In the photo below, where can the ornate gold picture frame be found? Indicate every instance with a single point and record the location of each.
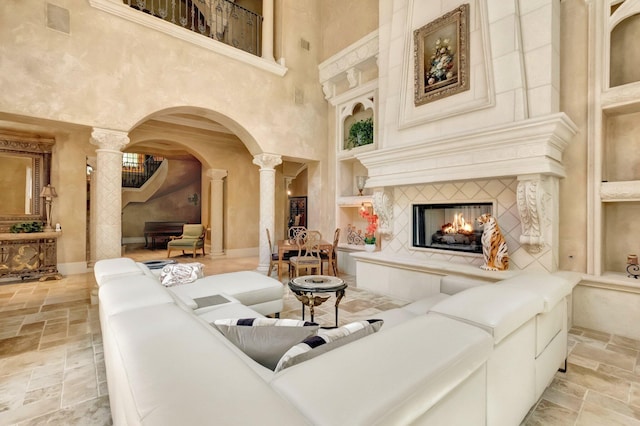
(441, 50)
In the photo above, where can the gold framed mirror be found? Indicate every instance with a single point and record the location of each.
(25, 166)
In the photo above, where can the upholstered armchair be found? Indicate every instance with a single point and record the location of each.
(192, 239)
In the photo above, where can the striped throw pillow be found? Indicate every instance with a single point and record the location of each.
(326, 340)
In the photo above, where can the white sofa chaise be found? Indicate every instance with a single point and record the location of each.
(166, 364)
(527, 317)
(254, 290)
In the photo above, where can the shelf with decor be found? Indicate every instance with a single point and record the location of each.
(613, 141)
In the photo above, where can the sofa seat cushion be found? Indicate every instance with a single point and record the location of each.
(379, 380)
(393, 317)
(422, 306)
(109, 269)
(249, 287)
(131, 292)
(265, 340)
(181, 371)
(327, 340)
(498, 309)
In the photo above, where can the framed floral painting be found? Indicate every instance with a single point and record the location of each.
(441, 50)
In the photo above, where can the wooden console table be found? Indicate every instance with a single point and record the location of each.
(29, 255)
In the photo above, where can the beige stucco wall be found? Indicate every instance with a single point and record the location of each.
(114, 74)
(344, 22)
(573, 101)
(69, 177)
(128, 62)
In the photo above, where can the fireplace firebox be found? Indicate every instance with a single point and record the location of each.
(449, 226)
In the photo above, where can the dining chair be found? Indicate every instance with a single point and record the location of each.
(273, 260)
(332, 257)
(295, 230)
(308, 253)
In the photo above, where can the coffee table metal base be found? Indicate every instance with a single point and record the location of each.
(306, 287)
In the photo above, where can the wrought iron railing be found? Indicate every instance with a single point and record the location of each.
(221, 20)
(134, 175)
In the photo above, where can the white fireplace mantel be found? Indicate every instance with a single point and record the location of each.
(533, 146)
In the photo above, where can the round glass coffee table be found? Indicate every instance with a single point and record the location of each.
(306, 287)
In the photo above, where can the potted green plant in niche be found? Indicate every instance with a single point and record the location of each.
(360, 134)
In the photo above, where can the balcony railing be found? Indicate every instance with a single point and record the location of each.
(221, 20)
(138, 168)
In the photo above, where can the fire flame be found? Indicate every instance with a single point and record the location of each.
(459, 226)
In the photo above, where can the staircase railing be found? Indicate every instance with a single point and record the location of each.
(221, 20)
(134, 176)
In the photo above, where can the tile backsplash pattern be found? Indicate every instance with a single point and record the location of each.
(502, 191)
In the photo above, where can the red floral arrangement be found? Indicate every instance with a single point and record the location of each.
(372, 220)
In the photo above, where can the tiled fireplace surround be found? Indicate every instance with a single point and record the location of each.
(517, 167)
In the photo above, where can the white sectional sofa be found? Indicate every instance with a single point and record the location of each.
(480, 356)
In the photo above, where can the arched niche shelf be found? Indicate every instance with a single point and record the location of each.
(624, 61)
(358, 114)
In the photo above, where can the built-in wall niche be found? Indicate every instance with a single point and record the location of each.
(624, 65)
(622, 147)
(449, 226)
(357, 124)
(349, 171)
(621, 230)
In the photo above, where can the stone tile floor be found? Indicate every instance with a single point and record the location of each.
(52, 365)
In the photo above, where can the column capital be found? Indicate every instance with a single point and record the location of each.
(217, 174)
(267, 161)
(112, 140)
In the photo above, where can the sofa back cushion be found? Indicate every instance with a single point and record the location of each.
(109, 269)
(131, 292)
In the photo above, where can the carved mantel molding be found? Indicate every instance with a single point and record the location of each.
(383, 206)
(349, 65)
(531, 207)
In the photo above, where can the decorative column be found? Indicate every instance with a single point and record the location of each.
(267, 163)
(108, 200)
(267, 29)
(216, 209)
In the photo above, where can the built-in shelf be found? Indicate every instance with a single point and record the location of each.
(354, 201)
(622, 99)
(612, 280)
(350, 154)
(620, 191)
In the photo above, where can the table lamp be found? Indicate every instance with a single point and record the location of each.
(48, 193)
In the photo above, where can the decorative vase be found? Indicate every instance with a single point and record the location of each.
(370, 247)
